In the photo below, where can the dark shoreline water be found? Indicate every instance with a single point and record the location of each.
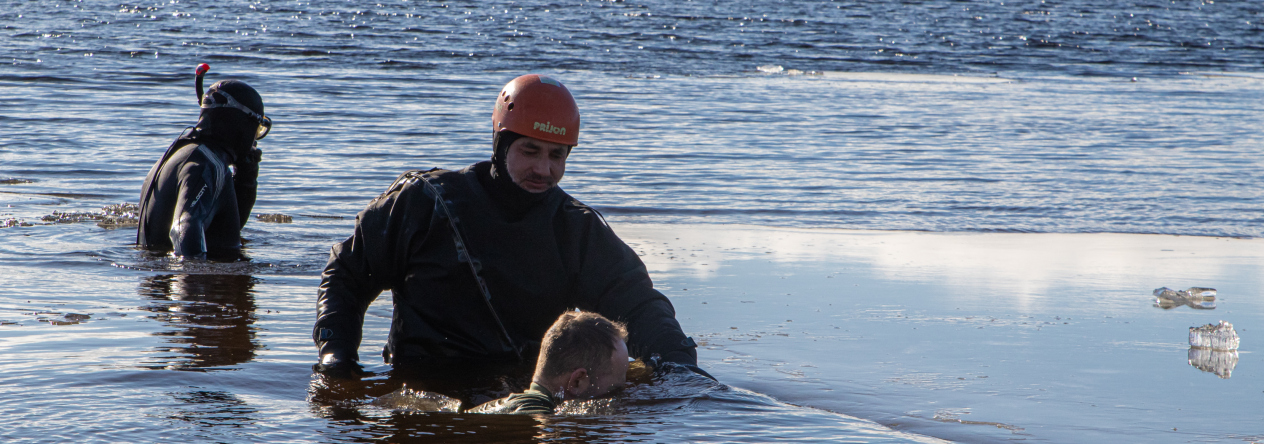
(903, 152)
(1075, 38)
(1027, 116)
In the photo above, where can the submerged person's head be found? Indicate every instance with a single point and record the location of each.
(233, 114)
(583, 355)
(535, 123)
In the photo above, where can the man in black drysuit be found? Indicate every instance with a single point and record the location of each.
(539, 252)
(191, 202)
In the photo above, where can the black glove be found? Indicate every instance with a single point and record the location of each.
(255, 155)
(337, 368)
(248, 168)
(661, 366)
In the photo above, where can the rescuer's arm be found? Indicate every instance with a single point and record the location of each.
(360, 268)
(653, 329)
(246, 183)
(347, 287)
(616, 284)
(195, 208)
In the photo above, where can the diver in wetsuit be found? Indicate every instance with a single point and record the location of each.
(192, 202)
(481, 261)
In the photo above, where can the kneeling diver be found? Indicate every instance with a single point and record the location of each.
(192, 203)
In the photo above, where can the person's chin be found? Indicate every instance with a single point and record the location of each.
(536, 187)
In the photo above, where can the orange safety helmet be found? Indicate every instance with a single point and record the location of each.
(539, 107)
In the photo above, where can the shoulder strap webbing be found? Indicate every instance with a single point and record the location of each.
(463, 253)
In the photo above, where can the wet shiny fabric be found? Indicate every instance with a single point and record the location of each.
(555, 256)
(196, 205)
(536, 400)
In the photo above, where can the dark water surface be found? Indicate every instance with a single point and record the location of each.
(1016, 116)
(941, 116)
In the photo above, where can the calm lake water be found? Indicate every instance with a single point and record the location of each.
(1017, 116)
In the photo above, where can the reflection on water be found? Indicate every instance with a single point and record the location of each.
(1214, 361)
(214, 408)
(212, 318)
(418, 401)
(674, 405)
(465, 382)
(441, 427)
(1213, 348)
(369, 411)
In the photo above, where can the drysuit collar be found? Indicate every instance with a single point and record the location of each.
(494, 177)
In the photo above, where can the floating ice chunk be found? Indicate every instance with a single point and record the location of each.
(1213, 361)
(1201, 292)
(1194, 297)
(13, 222)
(276, 218)
(110, 217)
(909, 78)
(770, 69)
(121, 215)
(1214, 337)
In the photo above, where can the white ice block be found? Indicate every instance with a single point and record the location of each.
(1214, 336)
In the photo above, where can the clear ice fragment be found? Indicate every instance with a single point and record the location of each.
(1194, 297)
(1214, 337)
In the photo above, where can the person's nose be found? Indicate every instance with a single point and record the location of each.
(543, 168)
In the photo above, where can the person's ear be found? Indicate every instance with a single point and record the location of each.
(578, 382)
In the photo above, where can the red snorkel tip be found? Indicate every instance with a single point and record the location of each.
(201, 69)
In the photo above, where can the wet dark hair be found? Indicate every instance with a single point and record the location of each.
(579, 339)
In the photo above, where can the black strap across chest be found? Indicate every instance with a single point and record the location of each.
(463, 253)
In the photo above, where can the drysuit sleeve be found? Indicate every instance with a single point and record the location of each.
(370, 261)
(615, 283)
(196, 205)
(246, 184)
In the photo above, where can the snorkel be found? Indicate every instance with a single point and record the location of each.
(199, 72)
(190, 134)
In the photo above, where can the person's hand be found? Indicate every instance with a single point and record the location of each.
(661, 366)
(248, 166)
(338, 368)
(246, 175)
(255, 155)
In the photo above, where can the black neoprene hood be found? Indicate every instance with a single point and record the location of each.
(242, 92)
